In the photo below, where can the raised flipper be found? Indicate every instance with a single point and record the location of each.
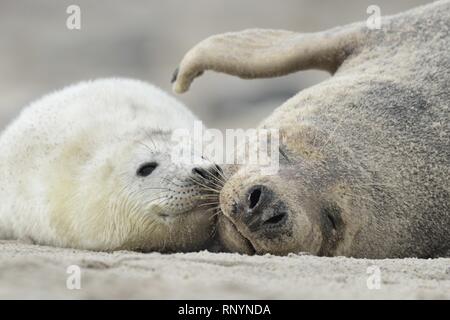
(262, 53)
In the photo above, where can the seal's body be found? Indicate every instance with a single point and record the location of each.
(90, 167)
(365, 170)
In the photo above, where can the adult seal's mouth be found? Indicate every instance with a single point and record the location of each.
(236, 241)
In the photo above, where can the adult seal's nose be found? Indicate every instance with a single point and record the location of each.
(260, 210)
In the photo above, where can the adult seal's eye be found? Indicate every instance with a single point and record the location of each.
(146, 169)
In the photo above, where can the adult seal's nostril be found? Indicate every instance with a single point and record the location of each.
(257, 196)
(260, 212)
(254, 198)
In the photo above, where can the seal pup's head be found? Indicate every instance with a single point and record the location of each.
(98, 158)
(157, 204)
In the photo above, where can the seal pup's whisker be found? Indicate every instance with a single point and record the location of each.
(171, 182)
(146, 146)
(149, 136)
(125, 193)
(203, 186)
(211, 183)
(216, 182)
(209, 203)
(217, 169)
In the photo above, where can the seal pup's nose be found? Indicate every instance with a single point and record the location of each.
(210, 173)
(260, 211)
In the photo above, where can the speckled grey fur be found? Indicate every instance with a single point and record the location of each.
(374, 139)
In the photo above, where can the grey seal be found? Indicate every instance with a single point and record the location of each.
(365, 165)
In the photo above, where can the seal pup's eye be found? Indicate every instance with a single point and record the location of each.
(146, 169)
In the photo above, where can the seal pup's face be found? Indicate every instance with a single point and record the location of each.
(176, 199)
(135, 197)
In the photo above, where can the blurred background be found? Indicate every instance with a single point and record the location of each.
(147, 39)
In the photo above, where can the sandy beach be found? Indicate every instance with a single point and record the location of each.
(38, 272)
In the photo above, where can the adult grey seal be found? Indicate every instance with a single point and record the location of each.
(365, 170)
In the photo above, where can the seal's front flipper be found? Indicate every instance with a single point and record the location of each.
(261, 53)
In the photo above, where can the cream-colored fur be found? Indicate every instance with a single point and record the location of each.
(68, 171)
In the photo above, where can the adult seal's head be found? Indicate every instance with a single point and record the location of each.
(91, 167)
(364, 156)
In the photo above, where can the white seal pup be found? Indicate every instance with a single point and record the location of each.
(365, 170)
(90, 167)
